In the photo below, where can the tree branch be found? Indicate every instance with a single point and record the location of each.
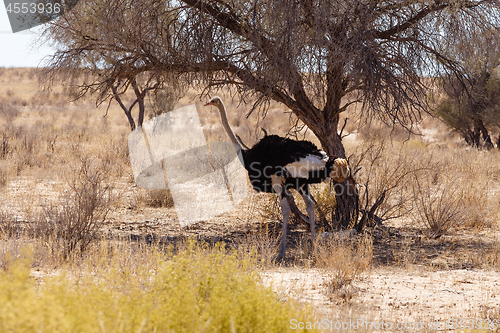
(238, 26)
(411, 21)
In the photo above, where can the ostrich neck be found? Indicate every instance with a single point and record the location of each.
(226, 126)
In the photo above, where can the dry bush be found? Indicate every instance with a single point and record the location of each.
(384, 175)
(344, 261)
(9, 112)
(463, 185)
(114, 153)
(137, 200)
(159, 198)
(79, 216)
(438, 187)
(458, 195)
(476, 173)
(440, 207)
(16, 238)
(60, 138)
(8, 226)
(142, 198)
(26, 146)
(482, 211)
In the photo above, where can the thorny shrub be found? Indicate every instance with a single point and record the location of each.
(439, 207)
(78, 218)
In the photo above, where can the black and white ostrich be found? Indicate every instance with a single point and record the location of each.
(276, 165)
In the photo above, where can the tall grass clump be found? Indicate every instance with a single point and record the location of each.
(196, 290)
(344, 261)
(263, 244)
(159, 198)
(384, 174)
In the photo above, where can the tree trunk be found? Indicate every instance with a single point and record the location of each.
(486, 136)
(128, 113)
(140, 100)
(346, 195)
(473, 135)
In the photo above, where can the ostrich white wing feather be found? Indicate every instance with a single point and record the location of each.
(301, 168)
(325, 156)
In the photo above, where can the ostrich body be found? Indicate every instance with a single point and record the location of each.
(276, 165)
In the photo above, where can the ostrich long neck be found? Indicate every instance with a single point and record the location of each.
(225, 124)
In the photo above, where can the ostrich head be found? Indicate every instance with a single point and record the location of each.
(216, 101)
(340, 170)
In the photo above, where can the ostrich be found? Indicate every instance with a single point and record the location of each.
(276, 165)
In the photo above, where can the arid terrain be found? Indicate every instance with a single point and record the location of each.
(435, 256)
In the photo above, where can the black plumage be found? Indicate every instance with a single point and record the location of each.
(272, 154)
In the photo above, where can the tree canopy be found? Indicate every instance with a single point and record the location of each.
(316, 57)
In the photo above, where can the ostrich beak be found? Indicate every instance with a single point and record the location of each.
(209, 103)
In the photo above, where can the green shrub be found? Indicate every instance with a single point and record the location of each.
(197, 290)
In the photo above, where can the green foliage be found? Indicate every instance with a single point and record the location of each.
(197, 290)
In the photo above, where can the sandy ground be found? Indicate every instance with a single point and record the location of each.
(397, 295)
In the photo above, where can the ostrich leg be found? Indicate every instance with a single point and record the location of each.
(310, 207)
(285, 210)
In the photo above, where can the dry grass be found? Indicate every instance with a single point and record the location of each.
(439, 207)
(438, 187)
(344, 261)
(262, 244)
(74, 221)
(45, 136)
(79, 217)
(159, 198)
(57, 164)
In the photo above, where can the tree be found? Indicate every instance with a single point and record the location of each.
(104, 51)
(473, 112)
(472, 107)
(317, 57)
